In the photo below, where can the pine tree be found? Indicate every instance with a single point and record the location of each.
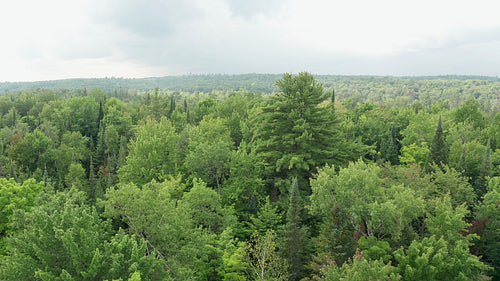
(100, 156)
(439, 149)
(46, 178)
(92, 180)
(172, 107)
(295, 243)
(297, 133)
(481, 181)
(390, 148)
(333, 101)
(462, 165)
(101, 113)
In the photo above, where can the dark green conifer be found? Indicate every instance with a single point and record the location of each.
(462, 166)
(295, 243)
(390, 148)
(172, 107)
(100, 156)
(439, 149)
(481, 182)
(295, 133)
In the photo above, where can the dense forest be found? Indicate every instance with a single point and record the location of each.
(251, 177)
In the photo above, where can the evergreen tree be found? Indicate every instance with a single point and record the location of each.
(391, 147)
(481, 181)
(462, 165)
(92, 181)
(296, 133)
(438, 153)
(100, 156)
(172, 107)
(333, 101)
(295, 243)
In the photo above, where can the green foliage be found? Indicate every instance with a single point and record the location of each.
(373, 209)
(210, 162)
(64, 239)
(153, 153)
(487, 226)
(414, 154)
(296, 133)
(360, 268)
(436, 258)
(446, 221)
(203, 108)
(374, 249)
(295, 246)
(76, 177)
(420, 129)
(73, 148)
(189, 176)
(265, 263)
(30, 151)
(469, 112)
(268, 218)
(172, 228)
(438, 153)
(15, 197)
(203, 206)
(448, 181)
(391, 147)
(336, 239)
(244, 187)
(148, 211)
(468, 158)
(481, 181)
(234, 258)
(445, 254)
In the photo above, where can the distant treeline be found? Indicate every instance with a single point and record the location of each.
(450, 90)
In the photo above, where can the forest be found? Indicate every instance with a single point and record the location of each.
(265, 177)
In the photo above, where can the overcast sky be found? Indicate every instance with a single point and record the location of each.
(56, 39)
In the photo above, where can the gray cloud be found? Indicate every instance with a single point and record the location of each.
(465, 59)
(247, 9)
(181, 36)
(150, 19)
(455, 38)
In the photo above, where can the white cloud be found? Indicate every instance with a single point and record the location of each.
(136, 38)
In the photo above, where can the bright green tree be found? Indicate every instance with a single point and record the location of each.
(13, 197)
(435, 258)
(244, 187)
(360, 268)
(372, 208)
(203, 206)
(469, 112)
(153, 153)
(444, 255)
(451, 182)
(64, 239)
(177, 231)
(210, 162)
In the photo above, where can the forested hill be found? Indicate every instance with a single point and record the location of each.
(186, 83)
(450, 91)
(264, 83)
